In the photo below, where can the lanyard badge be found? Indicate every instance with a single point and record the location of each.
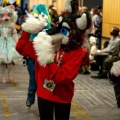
(49, 85)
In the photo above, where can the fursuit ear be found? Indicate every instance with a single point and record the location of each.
(68, 7)
(84, 22)
(60, 19)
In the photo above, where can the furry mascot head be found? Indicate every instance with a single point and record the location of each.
(37, 20)
(8, 14)
(8, 18)
(68, 35)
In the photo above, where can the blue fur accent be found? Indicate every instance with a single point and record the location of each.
(42, 8)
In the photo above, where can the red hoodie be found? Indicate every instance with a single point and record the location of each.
(62, 75)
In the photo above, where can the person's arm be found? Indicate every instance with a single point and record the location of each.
(24, 46)
(67, 72)
(112, 46)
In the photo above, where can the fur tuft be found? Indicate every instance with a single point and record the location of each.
(33, 25)
(44, 48)
(15, 16)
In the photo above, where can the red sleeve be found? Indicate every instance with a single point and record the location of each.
(24, 46)
(69, 70)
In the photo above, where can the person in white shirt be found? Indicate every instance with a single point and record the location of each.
(113, 49)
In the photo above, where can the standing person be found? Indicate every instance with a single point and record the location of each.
(54, 15)
(32, 87)
(99, 8)
(86, 61)
(84, 68)
(32, 84)
(19, 20)
(55, 69)
(8, 39)
(99, 27)
(96, 26)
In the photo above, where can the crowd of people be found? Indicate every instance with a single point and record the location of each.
(67, 40)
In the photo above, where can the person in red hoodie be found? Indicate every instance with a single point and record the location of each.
(58, 54)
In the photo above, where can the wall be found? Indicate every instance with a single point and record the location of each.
(92, 3)
(111, 10)
(59, 4)
(111, 17)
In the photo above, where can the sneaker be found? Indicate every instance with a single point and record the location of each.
(102, 75)
(28, 105)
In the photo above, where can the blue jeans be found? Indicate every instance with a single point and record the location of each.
(32, 84)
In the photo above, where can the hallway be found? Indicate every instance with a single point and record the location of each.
(94, 99)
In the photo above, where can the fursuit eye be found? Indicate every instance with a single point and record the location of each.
(10, 14)
(36, 17)
(64, 31)
(43, 15)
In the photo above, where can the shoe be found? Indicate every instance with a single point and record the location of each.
(80, 71)
(102, 75)
(86, 72)
(28, 105)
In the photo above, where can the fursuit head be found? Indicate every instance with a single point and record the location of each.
(68, 34)
(8, 16)
(37, 20)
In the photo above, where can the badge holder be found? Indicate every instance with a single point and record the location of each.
(49, 85)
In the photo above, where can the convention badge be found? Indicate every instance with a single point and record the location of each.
(49, 85)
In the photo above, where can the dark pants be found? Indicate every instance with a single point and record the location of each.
(32, 84)
(48, 108)
(108, 62)
(116, 83)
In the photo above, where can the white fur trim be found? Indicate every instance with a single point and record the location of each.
(33, 25)
(43, 48)
(68, 7)
(82, 22)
